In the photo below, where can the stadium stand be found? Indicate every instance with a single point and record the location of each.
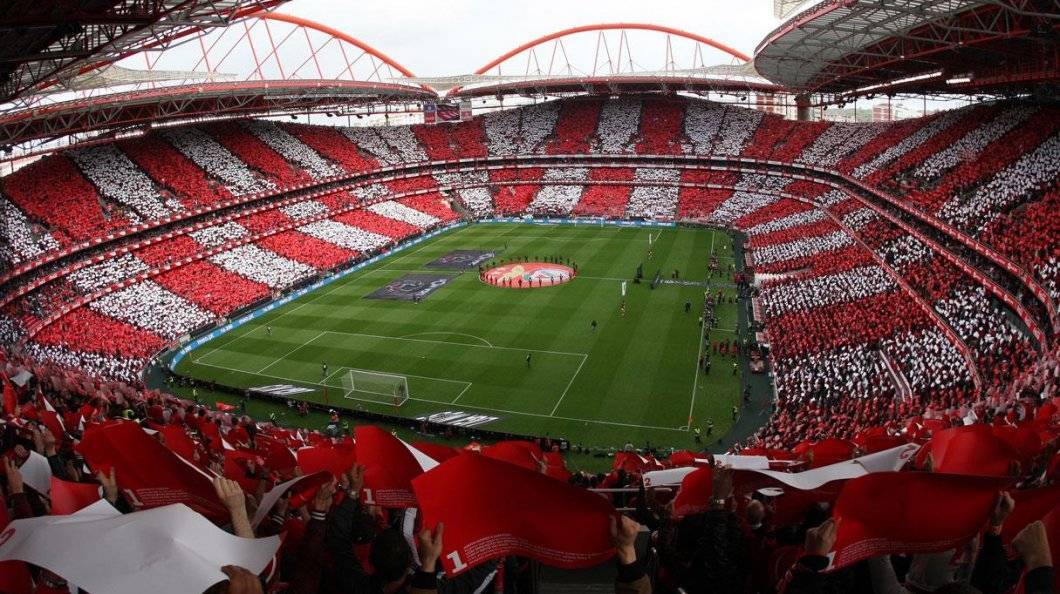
(913, 437)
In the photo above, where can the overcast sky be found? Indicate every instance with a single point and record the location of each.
(458, 36)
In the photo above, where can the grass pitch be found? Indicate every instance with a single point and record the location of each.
(464, 347)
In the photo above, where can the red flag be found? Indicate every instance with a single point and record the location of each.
(54, 424)
(14, 575)
(910, 512)
(15, 578)
(212, 435)
(494, 509)
(225, 407)
(521, 453)
(10, 398)
(634, 462)
(237, 465)
(696, 489)
(437, 451)
(556, 466)
(278, 457)
(1031, 505)
(390, 465)
(771, 453)
(303, 489)
(683, 458)
(876, 439)
(178, 441)
(148, 473)
(1024, 440)
(334, 458)
(972, 449)
(306, 490)
(68, 497)
(829, 451)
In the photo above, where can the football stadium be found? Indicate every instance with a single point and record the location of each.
(306, 296)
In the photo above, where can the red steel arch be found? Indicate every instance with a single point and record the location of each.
(301, 22)
(263, 64)
(612, 27)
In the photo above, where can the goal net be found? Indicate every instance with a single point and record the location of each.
(374, 386)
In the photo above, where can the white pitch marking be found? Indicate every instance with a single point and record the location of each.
(292, 351)
(488, 343)
(472, 406)
(569, 384)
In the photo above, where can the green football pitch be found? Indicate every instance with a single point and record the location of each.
(463, 348)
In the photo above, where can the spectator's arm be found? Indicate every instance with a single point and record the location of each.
(45, 443)
(630, 577)
(308, 568)
(429, 548)
(231, 494)
(806, 576)
(989, 573)
(241, 581)
(1032, 544)
(15, 492)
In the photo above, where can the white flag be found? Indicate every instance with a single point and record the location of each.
(165, 550)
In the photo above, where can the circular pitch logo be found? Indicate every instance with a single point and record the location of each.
(528, 275)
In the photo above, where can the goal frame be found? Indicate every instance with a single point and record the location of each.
(398, 395)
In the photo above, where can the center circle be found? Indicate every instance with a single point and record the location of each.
(528, 275)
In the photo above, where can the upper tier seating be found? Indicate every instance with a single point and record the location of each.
(838, 320)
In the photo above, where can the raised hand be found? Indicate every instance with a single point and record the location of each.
(355, 480)
(623, 535)
(229, 492)
(14, 476)
(1032, 543)
(110, 485)
(241, 581)
(231, 495)
(324, 498)
(429, 547)
(820, 540)
(1004, 506)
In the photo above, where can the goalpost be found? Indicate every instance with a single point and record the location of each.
(385, 388)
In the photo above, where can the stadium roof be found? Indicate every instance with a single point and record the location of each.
(625, 57)
(188, 102)
(45, 41)
(863, 47)
(720, 78)
(270, 64)
(126, 63)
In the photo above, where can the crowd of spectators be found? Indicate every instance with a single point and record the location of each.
(217, 161)
(20, 239)
(119, 180)
(330, 143)
(147, 305)
(263, 266)
(347, 236)
(304, 248)
(144, 178)
(661, 126)
(292, 149)
(556, 198)
(722, 524)
(619, 125)
(173, 172)
(853, 353)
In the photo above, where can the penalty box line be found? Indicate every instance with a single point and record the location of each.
(326, 381)
(559, 400)
(474, 346)
(466, 406)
